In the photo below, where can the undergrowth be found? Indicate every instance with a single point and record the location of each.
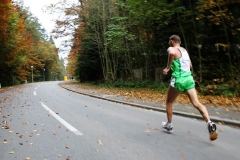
(204, 89)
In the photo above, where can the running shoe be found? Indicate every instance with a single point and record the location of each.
(167, 126)
(212, 128)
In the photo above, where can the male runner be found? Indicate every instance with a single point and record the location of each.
(182, 81)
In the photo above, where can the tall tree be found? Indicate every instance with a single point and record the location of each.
(22, 43)
(221, 17)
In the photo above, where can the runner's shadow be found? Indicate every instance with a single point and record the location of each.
(167, 132)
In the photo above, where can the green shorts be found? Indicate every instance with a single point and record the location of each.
(182, 83)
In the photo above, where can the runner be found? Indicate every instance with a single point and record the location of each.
(182, 81)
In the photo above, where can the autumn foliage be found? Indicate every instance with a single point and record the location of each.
(22, 46)
(151, 95)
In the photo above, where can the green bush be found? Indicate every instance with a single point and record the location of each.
(139, 84)
(220, 89)
(205, 89)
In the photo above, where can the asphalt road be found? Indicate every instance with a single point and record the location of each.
(42, 121)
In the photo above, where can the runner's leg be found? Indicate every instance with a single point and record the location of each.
(171, 96)
(192, 94)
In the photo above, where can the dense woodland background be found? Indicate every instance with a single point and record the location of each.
(124, 42)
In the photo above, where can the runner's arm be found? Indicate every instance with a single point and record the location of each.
(171, 56)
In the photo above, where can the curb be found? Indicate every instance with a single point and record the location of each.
(179, 113)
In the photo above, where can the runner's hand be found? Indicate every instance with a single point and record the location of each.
(165, 71)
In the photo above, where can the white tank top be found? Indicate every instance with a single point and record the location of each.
(181, 66)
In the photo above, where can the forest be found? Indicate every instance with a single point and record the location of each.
(124, 42)
(27, 53)
(119, 41)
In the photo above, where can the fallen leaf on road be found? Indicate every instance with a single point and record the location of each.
(227, 110)
(59, 155)
(220, 129)
(5, 127)
(4, 122)
(10, 131)
(97, 150)
(27, 158)
(67, 147)
(5, 142)
(147, 131)
(11, 152)
(21, 143)
(100, 143)
(181, 154)
(21, 135)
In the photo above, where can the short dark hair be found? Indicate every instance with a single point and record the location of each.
(175, 38)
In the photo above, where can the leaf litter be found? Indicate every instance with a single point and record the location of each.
(156, 96)
(100, 143)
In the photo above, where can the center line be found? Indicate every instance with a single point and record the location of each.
(66, 124)
(35, 93)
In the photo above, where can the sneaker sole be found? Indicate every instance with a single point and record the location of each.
(168, 130)
(213, 136)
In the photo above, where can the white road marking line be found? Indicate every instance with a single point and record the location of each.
(36, 88)
(66, 124)
(35, 93)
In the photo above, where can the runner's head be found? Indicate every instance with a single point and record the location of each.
(174, 39)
